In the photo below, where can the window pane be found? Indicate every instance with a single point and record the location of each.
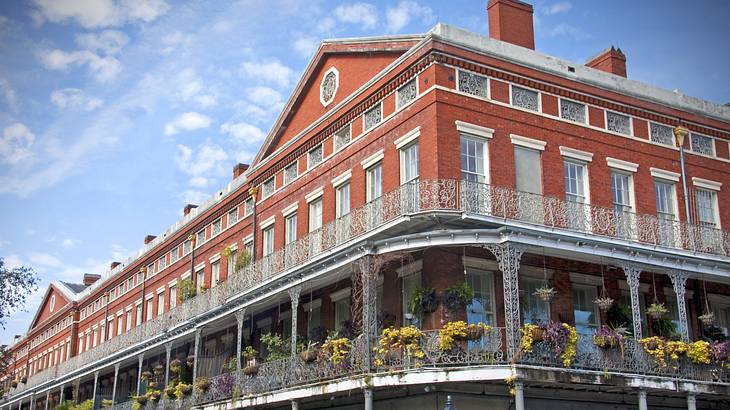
(482, 307)
(705, 207)
(524, 98)
(374, 182)
(527, 170)
(474, 84)
(291, 228)
(315, 156)
(534, 310)
(409, 166)
(342, 137)
(343, 200)
(618, 123)
(406, 93)
(575, 182)
(572, 111)
(473, 153)
(315, 215)
(661, 134)
(702, 144)
(373, 117)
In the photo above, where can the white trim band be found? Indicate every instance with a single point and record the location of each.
(706, 184)
(316, 194)
(622, 165)
(576, 154)
(527, 142)
(473, 129)
(408, 137)
(664, 174)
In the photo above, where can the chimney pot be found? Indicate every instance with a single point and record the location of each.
(188, 208)
(149, 238)
(239, 169)
(90, 278)
(511, 21)
(611, 60)
(115, 264)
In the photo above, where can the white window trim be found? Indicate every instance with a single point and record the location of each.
(290, 209)
(585, 110)
(410, 269)
(674, 141)
(407, 138)
(315, 304)
(199, 266)
(605, 123)
(473, 129)
(314, 195)
(630, 175)
(215, 257)
(583, 279)
(267, 222)
(364, 129)
(341, 179)
(526, 142)
(372, 160)
(576, 154)
(337, 86)
(248, 239)
(622, 165)
(706, 184)
(309, 164)
(664, 174)
(340, 294)
(184, 276)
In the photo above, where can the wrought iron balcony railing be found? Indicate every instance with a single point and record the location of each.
(502, 203)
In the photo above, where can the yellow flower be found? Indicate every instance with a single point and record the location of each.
(699, 352)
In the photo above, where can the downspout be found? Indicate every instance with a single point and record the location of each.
(254, 193)
(143, 270)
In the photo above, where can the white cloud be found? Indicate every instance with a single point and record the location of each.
(305, 46)
(272, 72)
(557, 8)
(203, 164)
(188, 121)
(9, 94)
(75, 99)
(191, 88)
(243, 133)
(401, 15)
(192, 196)
(264, 96)
(104, 69)
(108, 41)
(69, 242)
(44, 260)
(16, 144)
(364, 14)
(99, 13)
(12, 261)
(567, 30)
(174, 40)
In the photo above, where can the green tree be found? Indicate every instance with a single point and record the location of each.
(15, 286)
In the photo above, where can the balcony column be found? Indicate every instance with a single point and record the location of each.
(48, 398)
(168, 351)
(691, 401)
(60, 395)
(508, 258)
(368, 393)
(240, 315)
(632, 273)
(198, 332)
(75, 391)
(679, 280)
(114, 385)
(96, 383)
(140, 359)
(294, 405)
(519, 395)
(294, 296)
(32, 400)
(642, 400)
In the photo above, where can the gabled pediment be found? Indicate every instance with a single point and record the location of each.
(57, 296)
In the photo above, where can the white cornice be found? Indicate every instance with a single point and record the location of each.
(664, 174)
(372, 160)
(474, 129)
(407, 138)
(316, 194)
(290, 209)
(622, 165)
(706, 184)
(342, 178)
(576, 154)
(527, 142)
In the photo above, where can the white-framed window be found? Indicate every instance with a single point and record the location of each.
(572, 111)
(372, 117)
(409, 171)
(187, 247)
(342, 312)
(329, 85)
(138, 309)
(231, 265)
(94, 337)
(525, 98)
(110, 329)
(248, 207)
(619, 123)
(472, 83)
(576, 182)
(120, 324)
(216, 227)
(661, 134)
(707, 209)
(473, 159)
(374, 182)
(482, 308)
(702, 144)
(52, 303)
(342, 137)
(150, 306)
(666, 207)
(268, 240)
(291, 172)
(268, 187)
(622, 187)
(128, 320)
(528, 170)
(315, 215)
(410, 283)
(162, 262)
(150, 272)
(215, 272)
(534, 309)
(313, 310)
(174, 256)
(587, 316)
(160, 303)
(315, 156)
(232, 216)
(173, 296)
(290, 227)
(342, 200)
(200, 238)
(407, 93)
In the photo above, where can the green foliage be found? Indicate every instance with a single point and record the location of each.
(249, 353)
(67, 405)
(106, 403)
(423, 300)
(243, 259)
(664, 327)
(619, 316)
(276, 346)
(186, 290)
(458, 296)
(17, 285)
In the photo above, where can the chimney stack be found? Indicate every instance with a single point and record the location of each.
(511, 21)
(611, 60)
(115, 264)
(188, 208)
(90, 278)
(239, 169)
(149, 238)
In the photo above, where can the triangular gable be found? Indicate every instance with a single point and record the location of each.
(356, 61)
(56, 297)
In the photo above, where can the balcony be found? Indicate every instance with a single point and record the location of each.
(498, 205)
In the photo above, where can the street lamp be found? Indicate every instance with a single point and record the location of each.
(679, 134)
(449, 403)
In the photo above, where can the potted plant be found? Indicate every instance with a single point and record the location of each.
(458, 296)
(607, 338)
(14, 384)
(141, 400)
(252, 366)
(147, 375)
(423, 300)
(336, 349)
(276, 347)
(190, 361)
(202, 384)
(310, 353)
(656, 310)
(183, 390)
(720, 351)
(707, 318)
(175, 366)
(699, 352)
(475, 331)
(153, 395)
(106, 403)
(158, 369)
(563, 339)
(170, 393)
(663, 327)
(152, 384)
(545, 293)
(604, 302)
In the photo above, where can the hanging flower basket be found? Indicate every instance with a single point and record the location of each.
(152, 385)
(707, 318)
(545, 293)
(202, 384)
(656, 310)
(175, 366)
(158, 369)
(606, 338)
(170, 393)
(309, 355)
(146, 375)
(190, 361)
(142, 400)
(476, 331)
(252, 367)
(185, 389)
(14, 384)
(604, 303)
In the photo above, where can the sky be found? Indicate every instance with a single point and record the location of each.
(116, 113)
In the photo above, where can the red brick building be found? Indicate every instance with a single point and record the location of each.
(402, 168)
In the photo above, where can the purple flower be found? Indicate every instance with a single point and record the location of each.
(720, 351)
(556, 336)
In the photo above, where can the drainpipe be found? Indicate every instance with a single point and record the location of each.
(254, 192)
(143, 269)
(193, 239)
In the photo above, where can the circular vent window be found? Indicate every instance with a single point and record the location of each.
(329, 85)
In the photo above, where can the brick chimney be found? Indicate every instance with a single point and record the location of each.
(239, 169)
(511, 21)
(611, 60)
(188, 208)
(149, 238)
(115, 264)
(90, 278)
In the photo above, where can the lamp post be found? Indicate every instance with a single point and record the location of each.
(192, 238)
(449, 403)
(679, 135)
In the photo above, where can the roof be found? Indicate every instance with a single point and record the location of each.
(75, 287)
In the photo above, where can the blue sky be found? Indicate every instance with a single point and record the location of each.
(116, 113)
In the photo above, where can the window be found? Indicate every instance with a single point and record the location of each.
(666, 211)
(200, 279)
(314, 316)
(572, 111)
(128, 320)
(661, 134)
(525, 98)
(138, 308)
(406, 93)
(410, 283)
(232, 262)
(174, 255)
(216, 227)
(342, 137)
(200, 238)
(481, 309)
(528, 172)
(247, 207)
(232, 216)
(120, 325)
(534, 309)
(150, 306)
(584, 310)
(374, 183)
(372, 117)
(110, 329)
(150, 272)
(702, 144)
(673, 311)
(575, 182)
(315, 215)
(706, 208)
(162, 262)
(621, 190)
(409, 163)
(290, 227)
(215, 272)
(268, 240)
(473, 84)
(473, 159)
(187, 247)
(618, 123)
(314, 156)
(267, 188)
(160, 303)
(290, 173)
(93, 340)
(342, 205)
(342, 312)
